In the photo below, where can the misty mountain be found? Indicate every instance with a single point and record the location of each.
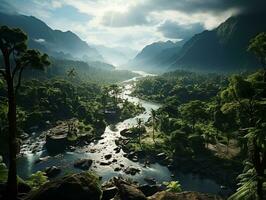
(54, 42)
(116, 55)
(225, 47)
(156, 56)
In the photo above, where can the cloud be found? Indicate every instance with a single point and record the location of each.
(174, 30)
(195, 6)
(132, 23)
(132, 17)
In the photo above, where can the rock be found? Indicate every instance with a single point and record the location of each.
(24, 136)
(135, 159)
(42, 159)
(161, 156)
(131, 155)
(150, 181)
(82, 186)
(83, 164)
(117, 169)
(105, 163)
(117, 149)
(164, 195)
(124, 132)
(108, 156)
(128, 192)
(149, 190)
(56, 143)
(109, 193)
(23, 187)
(52, 171)
(131, 170)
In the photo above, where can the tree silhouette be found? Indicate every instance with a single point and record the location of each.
(153, 118)
(13, 43)
(71, 73)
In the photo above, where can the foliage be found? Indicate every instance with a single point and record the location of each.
(37, 179)
(3, 171)
(173, 186)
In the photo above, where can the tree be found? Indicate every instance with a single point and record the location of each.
(246, 99)
(13, 43)
(115, 90)
(258, 47)
(192, 112)
(154, 119)
(71, 73)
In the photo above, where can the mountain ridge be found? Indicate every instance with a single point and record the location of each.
(53, 42)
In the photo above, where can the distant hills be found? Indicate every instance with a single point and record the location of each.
(63, 45)
(156, 56)
(220, 49)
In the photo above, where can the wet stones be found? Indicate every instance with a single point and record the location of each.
(108, 156)
(83, 164)
(105, 163)
(42, 159)
(132, 171)
(129, 192)
(109, 193)
(52, 171)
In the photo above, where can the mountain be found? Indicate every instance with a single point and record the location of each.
(156, 56)
(116, 55)
(54, 42)
(223, 48)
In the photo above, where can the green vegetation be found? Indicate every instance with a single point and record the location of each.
(213, 118)
(49, 98)
(173, 186)
(36, 180)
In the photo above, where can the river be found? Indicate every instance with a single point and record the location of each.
(98, 149)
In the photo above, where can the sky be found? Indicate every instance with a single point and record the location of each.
(131, 23)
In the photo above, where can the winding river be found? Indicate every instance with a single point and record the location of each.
(97, 150)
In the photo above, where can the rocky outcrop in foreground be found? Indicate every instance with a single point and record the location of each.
(85, 185)
(82, 186)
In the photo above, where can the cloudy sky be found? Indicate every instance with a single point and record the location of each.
(131, 23)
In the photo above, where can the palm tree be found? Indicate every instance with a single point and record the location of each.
(153, 117)
(71, 73)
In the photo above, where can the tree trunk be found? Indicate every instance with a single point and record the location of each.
(12, 188)
(260, 188)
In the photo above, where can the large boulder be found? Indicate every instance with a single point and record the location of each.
(52, 171)
(83, 164)
(164, 195)
(56, 143)
(130, 192)
(82, 186)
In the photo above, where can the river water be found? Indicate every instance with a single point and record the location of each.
(97, 150)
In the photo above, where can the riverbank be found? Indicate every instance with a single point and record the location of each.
(107, 159)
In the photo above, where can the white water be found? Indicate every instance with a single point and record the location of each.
(96, 151)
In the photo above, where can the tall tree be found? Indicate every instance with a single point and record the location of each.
(192, 112)
(153, 118)
(16, 58)
(248, 102)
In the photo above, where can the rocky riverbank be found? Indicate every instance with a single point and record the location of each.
(86, 185)
(204, 165)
